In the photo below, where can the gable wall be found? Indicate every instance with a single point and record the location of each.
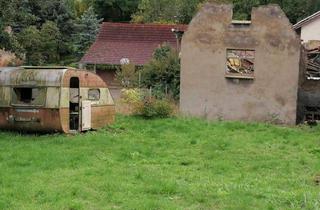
(206, 92)
(311, 30)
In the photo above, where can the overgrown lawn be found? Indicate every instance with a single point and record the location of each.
(163, 164)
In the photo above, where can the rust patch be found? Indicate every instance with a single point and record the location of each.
(86, 78)
(30, 119)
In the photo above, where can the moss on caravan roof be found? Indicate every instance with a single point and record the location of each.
(32, 76)
(46, 67)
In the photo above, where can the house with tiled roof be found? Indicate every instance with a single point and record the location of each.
(119, 43)
(309, 28)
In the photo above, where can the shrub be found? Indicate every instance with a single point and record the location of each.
(163, 108)
(127, 75)
(130, 99)
(139, 102)
(131, 96)
(154, 108)
(9, 59)
(162, 73)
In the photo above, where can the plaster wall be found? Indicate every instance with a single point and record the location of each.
(311, 31)
(270, 96)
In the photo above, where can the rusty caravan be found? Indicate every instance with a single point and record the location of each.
(53, 99)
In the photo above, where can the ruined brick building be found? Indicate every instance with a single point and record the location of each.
(241, 70)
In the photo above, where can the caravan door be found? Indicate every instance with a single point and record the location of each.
(86, 115)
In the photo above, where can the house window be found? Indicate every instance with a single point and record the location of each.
(240, 64)
(28, 96)
(94, 94)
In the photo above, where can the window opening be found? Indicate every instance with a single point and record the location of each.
(94, 94)
(28, 96)
(240, 64)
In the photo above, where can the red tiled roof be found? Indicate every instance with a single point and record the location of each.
(133, 41)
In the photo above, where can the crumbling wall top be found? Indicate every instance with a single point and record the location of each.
(224, 14)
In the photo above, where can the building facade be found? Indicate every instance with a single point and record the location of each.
(121, 43)
(309, 28)
(240, 70)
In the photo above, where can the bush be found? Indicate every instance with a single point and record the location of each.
(131, 96)
(9, 59)
(129, 100)
(163, 108)
(127, 75)
(162, 73)
(154, 108)
(139, 102)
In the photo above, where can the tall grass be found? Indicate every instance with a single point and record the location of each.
(163, 164)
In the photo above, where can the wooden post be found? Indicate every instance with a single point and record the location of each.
(150, 93)
(139, 79)
(166, 90)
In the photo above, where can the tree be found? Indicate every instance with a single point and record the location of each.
(167, 11)
(156, 11)
(36, 13)
(50, 39)
(41, 46)
(115, 10)
(4, 39)
(30, 39)
(80, 6)
(87, 29)
(29, 16)
(162, 73)
(182, 11)
(294, 9)
(17, 20)
(187, 9)
(60, 12)
(10, 43)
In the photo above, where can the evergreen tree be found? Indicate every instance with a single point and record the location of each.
(60, 12)
(41, 46)
(115, 10)
(50, 40)
(182, 11)
(42, 18)
(87, 29)
(30, 39)
(162, 73)
(17, 14)
(80, 6)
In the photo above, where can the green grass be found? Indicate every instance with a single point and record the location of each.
(163, 164)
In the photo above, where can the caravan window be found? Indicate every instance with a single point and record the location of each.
(28, 96)
(94, 94)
